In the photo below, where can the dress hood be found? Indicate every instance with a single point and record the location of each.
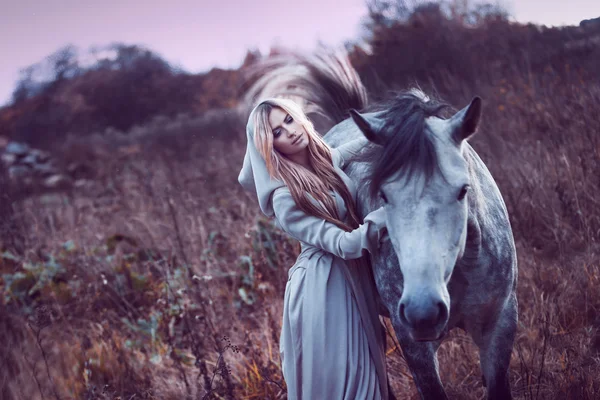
(254, 176)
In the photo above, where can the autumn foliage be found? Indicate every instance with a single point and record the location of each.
(160, 279)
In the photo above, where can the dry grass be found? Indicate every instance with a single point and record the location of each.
(152, 288)
(160, 280)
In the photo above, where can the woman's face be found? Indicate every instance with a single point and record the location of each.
(289, 136)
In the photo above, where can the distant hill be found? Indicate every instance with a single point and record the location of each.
(424, 47)
(429, 48)
(118, 93)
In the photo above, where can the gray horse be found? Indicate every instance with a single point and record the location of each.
(451, 259)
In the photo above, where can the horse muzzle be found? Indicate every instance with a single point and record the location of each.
(424, 317)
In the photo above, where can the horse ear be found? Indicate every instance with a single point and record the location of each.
(365, 126)
(466, 121)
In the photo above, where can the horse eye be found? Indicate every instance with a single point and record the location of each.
(382, 195)
(463, 192)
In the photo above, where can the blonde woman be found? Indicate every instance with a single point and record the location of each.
(332, 343)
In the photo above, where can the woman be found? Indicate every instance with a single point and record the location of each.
(332, 343)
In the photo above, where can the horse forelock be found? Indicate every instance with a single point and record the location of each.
(421, 95)
(408, 148)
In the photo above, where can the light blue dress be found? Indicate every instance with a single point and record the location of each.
(332, 343)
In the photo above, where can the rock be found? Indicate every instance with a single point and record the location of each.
(57, 182)
(29, 159)
(8, 159)
(45, 170)
(79, 183)
(19, 149)
(40, 156)
(18, 171)
(71, 168)
(33, 167)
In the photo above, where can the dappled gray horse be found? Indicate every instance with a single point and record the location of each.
(450, 236)
(451, 260)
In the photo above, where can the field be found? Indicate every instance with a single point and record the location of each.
(158, 278)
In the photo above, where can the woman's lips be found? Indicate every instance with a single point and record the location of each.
(297, 139)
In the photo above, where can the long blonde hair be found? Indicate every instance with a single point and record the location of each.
(300, 181)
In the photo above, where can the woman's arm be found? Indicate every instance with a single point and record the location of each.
(326, 235)
(349, 150)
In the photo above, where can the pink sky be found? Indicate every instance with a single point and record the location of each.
(200, 34)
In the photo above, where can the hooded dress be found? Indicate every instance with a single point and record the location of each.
(332, 343)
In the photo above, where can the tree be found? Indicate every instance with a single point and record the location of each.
(64, 63)
(59, 66)
(26, 86)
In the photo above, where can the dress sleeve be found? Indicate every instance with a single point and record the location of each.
(326, 235)
(348, 151)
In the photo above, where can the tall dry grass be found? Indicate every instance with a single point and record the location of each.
(159, 279)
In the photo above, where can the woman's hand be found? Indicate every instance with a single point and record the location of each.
(377, 230)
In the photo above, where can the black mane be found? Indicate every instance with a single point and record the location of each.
(408, 147)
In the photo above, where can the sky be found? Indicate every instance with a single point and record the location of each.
(197, 35)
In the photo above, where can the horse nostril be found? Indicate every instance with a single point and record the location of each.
(423, 317)
(443, 312)
(402, 314)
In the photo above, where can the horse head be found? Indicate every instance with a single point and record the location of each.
(421, 175)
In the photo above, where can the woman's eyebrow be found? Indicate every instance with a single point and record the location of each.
(279, 126)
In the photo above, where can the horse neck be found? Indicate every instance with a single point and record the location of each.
(487, 211)
(489, 196)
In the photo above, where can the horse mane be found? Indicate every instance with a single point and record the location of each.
(407, 147)
(324, 83)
